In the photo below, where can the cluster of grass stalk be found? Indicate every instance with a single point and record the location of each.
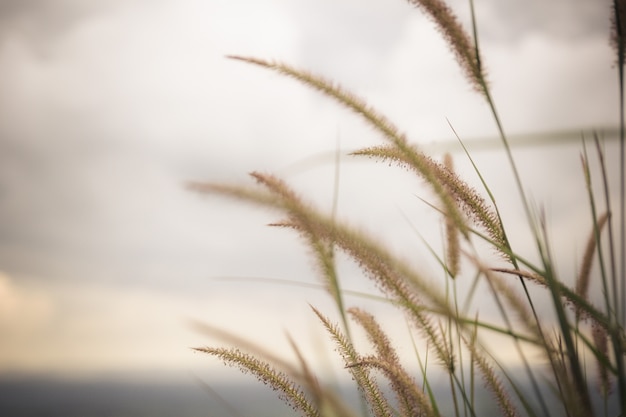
(582, 351)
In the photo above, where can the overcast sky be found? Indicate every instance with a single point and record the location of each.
(106, 108)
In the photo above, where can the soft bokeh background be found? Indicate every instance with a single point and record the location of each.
(107, 108)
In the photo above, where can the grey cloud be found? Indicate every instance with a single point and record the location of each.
(351, 41)
(349, 38)
(511, 20)
(40, 22)
(64, 177)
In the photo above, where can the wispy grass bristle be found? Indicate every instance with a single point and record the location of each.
(287, 390)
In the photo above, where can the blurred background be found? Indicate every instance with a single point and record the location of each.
(107, 108)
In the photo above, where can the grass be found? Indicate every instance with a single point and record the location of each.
(581, 351)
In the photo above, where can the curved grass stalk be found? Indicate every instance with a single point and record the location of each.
(484, 89)
(553, 283)
(614, 309)
(596, 234)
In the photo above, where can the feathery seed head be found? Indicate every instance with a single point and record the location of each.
(600, 340)
(452, 232)
(288, 390)
(582, 282)
(618, 29)
(458, 40)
